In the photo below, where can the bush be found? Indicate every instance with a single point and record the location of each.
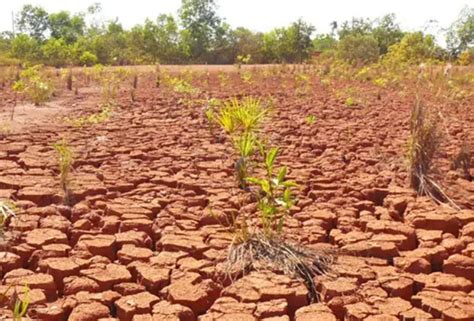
(35, 85)
(465, 58)
(414, 48)
(358, 49)
(88, 59)
(56, 52)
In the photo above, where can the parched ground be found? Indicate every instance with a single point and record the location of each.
(153, 189)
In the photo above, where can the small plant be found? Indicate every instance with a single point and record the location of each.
(183, 87)
(69, 80)
(247, 77)
(135, 81)
(7, 210)
(223, 78)
(241, 116)
(110, 81)
(92, 119)
(157, 76)
(310, 119)
(302, 83)
(21, 305)
(35, 85)
(246, 145)
(274, 198)
(65, 160)
(243, 60)
(252, 249)
(349, 102)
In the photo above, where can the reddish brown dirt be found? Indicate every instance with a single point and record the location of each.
(139, 243)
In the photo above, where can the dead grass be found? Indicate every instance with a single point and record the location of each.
(258, 252)
(463, 161)
(423, 144)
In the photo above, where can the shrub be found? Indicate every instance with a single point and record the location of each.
(414, 48)
(464, 58)
(87, 59)
(358, 49)
(35, 85)
(110, 81)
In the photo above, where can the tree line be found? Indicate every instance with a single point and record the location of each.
(198, 35)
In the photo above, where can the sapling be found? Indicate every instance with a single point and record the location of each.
(267, 249)
(35, 85)
(65, 161)
(135, 81)
(247, 77)
(275, 197)
(243, 59)
(69, 80)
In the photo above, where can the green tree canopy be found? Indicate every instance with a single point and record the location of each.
(460, 35)
(34, 21)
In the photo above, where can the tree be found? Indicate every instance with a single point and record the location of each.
(387, 32)
(358, 49)
(324, 42)
(56, 52)
(249, 43)
(164, 38)
(299, 37)
(413, 48)
(200, 22)
(460, 35)
(33, 21)
(65, 27)
(25, 48)
(357, 26)
(223, 46)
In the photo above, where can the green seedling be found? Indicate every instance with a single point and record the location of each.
(310, 119)
(274, 197)
(65, 161)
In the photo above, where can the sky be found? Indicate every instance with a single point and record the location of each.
(263, 15)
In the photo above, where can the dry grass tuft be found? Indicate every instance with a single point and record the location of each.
(463, 161)
(258, 252)
(423, 144)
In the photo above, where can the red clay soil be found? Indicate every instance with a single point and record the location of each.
(140, 244)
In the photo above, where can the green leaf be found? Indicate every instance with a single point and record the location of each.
(289, 184)
(287, 196)
(282, 174)
(271, 156)
(265, 186)
(254, 180)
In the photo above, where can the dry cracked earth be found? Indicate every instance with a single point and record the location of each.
(140, 242)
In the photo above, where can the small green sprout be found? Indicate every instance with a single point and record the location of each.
(310, 119)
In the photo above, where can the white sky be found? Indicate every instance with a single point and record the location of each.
(263, 15)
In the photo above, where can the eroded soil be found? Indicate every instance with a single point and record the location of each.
(153, 188)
